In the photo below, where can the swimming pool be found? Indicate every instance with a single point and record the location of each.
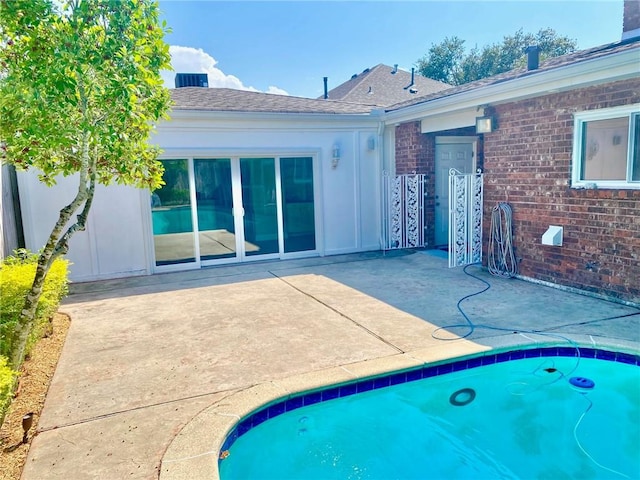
(517, 414)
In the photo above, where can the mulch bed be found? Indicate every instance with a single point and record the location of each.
(35, 378)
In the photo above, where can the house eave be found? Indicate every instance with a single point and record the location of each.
(196, 115)
(612, 68)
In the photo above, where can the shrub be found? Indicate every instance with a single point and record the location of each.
(7, 378)
(16, 276)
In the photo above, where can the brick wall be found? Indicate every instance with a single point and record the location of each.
(528, 163)
(416, 153)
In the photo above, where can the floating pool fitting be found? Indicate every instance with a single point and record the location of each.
(583, 383)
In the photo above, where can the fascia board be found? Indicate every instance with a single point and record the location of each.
(212, 152)
(209, 115)
(578, 75)
(290, 122)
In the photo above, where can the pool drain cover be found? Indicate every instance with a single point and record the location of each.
(462, 397)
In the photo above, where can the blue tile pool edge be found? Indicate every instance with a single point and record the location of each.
(310, 397)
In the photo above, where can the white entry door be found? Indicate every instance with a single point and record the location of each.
(451, 152)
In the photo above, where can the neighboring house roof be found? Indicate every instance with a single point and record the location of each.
(380, 86)
(548, 65)
(229, 100)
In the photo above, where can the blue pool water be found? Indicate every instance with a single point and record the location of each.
(514, 418)
(178, 219)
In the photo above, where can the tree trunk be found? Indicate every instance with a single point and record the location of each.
(58, 244)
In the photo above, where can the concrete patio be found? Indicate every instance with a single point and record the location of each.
(145, 355)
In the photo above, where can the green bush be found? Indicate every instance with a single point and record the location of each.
(16, 276)
(7, 378)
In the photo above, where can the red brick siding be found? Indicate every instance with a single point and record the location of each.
(412, 149)
(416, 153)
(527, 163)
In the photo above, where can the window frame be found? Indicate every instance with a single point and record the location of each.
(632, 112)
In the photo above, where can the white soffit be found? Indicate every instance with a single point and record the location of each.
(438, 123)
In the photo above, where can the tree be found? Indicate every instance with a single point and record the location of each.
(80, 92)
(448, 62)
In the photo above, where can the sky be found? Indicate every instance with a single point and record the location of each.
(288, 47)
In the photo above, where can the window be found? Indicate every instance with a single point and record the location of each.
(606, 148)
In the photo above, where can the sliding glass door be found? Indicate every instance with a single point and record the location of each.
(214, 210)
(259, 200)
(298, 212)
(171, 212)
(214, 204)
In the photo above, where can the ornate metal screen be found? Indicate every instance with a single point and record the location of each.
(465, 218)
(404, 211)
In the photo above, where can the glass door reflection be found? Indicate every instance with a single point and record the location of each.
(173, 236)
(258, 179)
(214, 201)
(298, 213)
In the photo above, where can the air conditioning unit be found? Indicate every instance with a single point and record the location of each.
(192, 80)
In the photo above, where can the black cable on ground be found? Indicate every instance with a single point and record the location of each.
(563, 376)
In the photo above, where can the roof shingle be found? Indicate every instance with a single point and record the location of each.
(355, 92)
(379, 85)
(547, 65)
(229, 100)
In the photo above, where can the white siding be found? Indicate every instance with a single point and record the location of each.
(118, 236)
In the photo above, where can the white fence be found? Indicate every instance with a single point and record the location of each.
(403, 211)
(465, 218)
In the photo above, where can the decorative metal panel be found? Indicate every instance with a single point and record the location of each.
(403, 211)
(465, 218)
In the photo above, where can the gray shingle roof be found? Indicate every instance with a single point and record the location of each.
(228, 100)
(379, 86)
(356, 102)
(547, 65)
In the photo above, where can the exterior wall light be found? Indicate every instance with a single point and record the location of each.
(335, 159)
(486, 124)
(371, 143)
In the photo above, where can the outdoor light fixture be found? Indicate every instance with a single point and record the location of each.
(486, 124)
(371, 143)
(336, 156)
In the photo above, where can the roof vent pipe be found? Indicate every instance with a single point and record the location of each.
(326, 90)
(533, 57)
(412, 79)
(395, 69)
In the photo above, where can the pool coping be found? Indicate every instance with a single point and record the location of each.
(194, 451)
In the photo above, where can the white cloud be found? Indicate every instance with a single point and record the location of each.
(276, 90)
(196, 60)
